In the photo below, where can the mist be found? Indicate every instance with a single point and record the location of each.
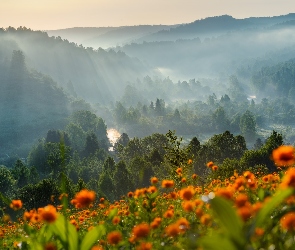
(151, 78)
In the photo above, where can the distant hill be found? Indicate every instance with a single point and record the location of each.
(80, 34)
(214, 46)
(106, 37)
(30, 104)
(94, 75)
(214, 26)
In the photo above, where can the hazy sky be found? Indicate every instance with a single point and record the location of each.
(56, 14)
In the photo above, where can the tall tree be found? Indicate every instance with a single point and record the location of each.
(248, 125)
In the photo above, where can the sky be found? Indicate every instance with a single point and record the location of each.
(59, 14)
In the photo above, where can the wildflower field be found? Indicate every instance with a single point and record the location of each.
(252, 210)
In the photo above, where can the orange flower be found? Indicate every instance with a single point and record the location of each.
(214, 168)
(289, 179)
(167, 183)
(188, 206)
(140, 231)
(198, 202)
(225, 193)
(210, 164)
(194, 176)
(288, 221)
(156, 222)
(35, 218)
(241, 200)
(172, 230)
(116, 220)
(152, 189)
(245, 212)
(259, 231)
(154, 180)
(265, 178)
(169, 213)
(50, 246)
(187, 193)
(199, 212)
(183, 224)
(48, 213)
(145, 246)
(179, 171)
(284, 155)
(190, 161)
(173, 195)
(114, 237)
(84, 198)
(239, 182)
(97, 248)
(248, 175)
(16, 204)
(205, 219)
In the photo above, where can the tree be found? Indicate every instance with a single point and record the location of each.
(106, 186)
(258, 144)
(248, 125)
(109, 166)
(21, 173)
(122, 179)
(236, 89)
(194, 146)
(225, 145)
(7, 182)
(57, 156)
(57, 136)
(160, 107)
(77, 136)
(38, 158)
(91, 145)
(220, 121)
(176, 115)
(90, 123)
(18, 65)
(123, 139)
(40, 194)
(211, 99)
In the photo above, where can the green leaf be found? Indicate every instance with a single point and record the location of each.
(5, 199)
(58, 229)
(72, 237)
(92, 236)
(46, 233)
(229, 219)
(270, 206)
(154, 195)
(113, 213)
(28, 229)
(261, 194)
(217, 242)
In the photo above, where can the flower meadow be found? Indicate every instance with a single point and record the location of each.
(252, 210)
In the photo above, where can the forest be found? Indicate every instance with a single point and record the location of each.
(218, 90)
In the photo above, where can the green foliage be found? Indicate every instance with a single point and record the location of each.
(91, 145)
(21, 174)
(7, 182)
(248, 125)
(122, 179)
(89, 123)
(220, 121)
(106, 186)
(40, 194)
